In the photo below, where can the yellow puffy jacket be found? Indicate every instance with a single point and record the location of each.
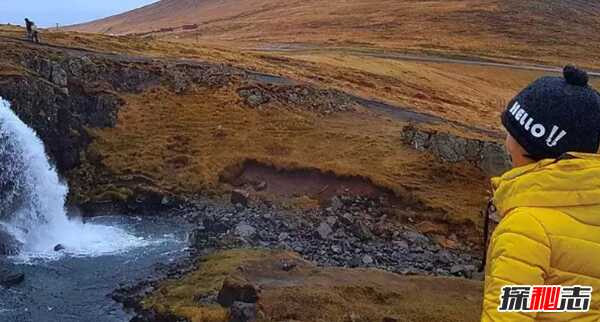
(549, 234)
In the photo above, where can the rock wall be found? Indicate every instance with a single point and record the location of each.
(60, 94)
(490, 157)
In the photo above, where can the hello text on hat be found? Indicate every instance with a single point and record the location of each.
(537, 130)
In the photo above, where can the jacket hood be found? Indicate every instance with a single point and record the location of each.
(570, 185)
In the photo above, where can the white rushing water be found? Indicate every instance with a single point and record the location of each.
(33, 198)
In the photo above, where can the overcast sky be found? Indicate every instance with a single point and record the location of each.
(65, 12)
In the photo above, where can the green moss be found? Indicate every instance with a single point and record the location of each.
(181, 297)
(114, 194)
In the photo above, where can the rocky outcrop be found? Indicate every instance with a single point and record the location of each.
(490, 157)
(10, 278)
(9, 245)
(302, 97)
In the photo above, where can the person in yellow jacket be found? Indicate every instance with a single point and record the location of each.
(549, 205)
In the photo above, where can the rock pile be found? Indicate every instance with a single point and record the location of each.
(322, 101)
(353, 232)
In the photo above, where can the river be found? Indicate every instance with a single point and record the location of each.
(74, 287)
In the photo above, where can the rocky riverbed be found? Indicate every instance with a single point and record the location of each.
(352, 232)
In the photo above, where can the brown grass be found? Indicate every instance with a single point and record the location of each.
(535, 31)
(184, 143)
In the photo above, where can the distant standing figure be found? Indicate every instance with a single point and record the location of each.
(28, 26)
(32, 32)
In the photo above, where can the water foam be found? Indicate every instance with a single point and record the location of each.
(37, 215)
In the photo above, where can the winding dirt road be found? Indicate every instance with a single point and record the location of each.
(302, 49)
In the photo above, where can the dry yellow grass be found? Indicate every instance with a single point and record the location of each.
(181, 296)
(535, 31)
(185, 142)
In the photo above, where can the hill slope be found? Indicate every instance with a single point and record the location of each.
(551, 32)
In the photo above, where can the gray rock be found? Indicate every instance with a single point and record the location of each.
(347, 219)
(367, 260)
(444, 257)
(242, 312)
(463, 270)
(490, 157)
(356, 261)
(75, 67)
(324, 230)
(59, 76)
(9, 278)
(256, 99)
(244, 93)
(331, 220)
(494, 159)
(336, 204)
(362, 231)
(420, 141)
(414, 237)
(244, 230)
(400, 244)
(449, 148)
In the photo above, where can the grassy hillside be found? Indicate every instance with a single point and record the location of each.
(551, 32)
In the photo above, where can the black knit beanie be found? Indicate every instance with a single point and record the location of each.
(555, 115)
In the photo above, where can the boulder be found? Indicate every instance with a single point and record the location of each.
(362, 231)
(9, 278)
(463, 270)
(367, 260)
(324, 231)
(245, 231)
(240, 197)
(237, 290)
(59, 76)
(9, 245)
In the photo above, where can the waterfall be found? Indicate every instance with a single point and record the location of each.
(32, 200)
